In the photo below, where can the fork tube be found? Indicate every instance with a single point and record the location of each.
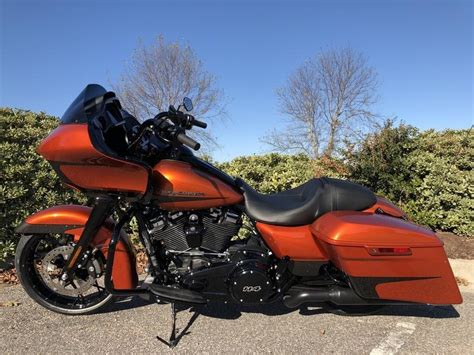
(109, 285)
(145, 240)
(101, 210)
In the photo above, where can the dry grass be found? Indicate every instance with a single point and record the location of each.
(461, 281)
(9, 277)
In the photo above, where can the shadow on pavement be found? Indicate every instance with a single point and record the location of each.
(425, 311)
(422, 311)
(122, 304)
(233, 311)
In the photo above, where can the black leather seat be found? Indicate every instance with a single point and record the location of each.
(303, 204)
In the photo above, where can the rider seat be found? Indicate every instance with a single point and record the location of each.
(303, 204)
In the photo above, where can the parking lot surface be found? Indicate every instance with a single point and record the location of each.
(132, 325)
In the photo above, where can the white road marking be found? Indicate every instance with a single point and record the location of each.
(395, 339)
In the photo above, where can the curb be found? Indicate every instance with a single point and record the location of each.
(464, 270)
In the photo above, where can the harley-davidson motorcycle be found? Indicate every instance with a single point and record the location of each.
(326, 241)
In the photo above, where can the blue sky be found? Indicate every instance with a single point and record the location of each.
(422, 50)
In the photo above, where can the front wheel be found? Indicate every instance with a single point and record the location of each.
(39, 261)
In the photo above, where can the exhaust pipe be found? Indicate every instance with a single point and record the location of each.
(341, 296)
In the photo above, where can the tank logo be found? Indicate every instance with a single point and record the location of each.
(182, 193)
(252, 288)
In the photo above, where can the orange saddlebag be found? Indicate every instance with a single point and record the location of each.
(388, 258)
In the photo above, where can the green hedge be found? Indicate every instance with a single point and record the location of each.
(444, 185)
(277, 172)
(429, 174)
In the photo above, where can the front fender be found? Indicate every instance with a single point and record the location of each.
(71, 219)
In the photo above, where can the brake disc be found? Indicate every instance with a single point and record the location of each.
(51, 269)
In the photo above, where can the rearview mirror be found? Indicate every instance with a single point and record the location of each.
(188, 104)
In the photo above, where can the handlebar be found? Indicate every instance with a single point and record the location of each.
(186, 140)
(175, 130)
(201, 124)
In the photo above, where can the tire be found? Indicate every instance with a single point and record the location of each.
(40, 292)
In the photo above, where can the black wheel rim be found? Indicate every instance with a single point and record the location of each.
(30, 275)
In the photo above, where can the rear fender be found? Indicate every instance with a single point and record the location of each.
(384, 206)
(71, 219)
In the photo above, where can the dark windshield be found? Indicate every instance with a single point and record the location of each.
(84, 105)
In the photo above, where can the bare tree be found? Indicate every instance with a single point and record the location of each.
(162, 74)
(326, 100)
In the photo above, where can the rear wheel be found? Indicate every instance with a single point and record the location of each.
(39, 261)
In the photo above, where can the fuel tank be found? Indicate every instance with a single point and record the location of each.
(70, 151)
(181, 186)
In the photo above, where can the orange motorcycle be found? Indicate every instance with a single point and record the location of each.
(326, 241)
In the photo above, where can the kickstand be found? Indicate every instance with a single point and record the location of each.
(172, 341)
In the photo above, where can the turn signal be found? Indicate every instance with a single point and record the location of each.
(389, 251)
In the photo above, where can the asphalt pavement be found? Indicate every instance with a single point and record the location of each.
(132, 326)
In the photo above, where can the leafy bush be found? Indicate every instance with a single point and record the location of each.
(429, 174)
(443, 179)
(276, 172)
(28, 182)
(380, 162)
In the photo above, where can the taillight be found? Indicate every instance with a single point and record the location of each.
(396, 251)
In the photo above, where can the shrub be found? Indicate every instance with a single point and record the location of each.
(277, 172)
(443, 179)
(380, 162)
(428, 174)
(28, 182)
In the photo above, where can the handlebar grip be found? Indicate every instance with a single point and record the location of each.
(186, 140)
(199, 123)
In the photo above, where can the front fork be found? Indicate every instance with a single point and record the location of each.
(102, 209)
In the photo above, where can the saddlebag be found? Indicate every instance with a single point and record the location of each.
(388, 258)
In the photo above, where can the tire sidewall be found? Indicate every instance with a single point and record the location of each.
(21, 266)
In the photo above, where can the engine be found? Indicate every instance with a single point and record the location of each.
(211, 230)
(203, 258)
(196, 239)
(252, 278)
(250, 275)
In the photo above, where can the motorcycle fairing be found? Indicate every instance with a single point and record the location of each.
(72, 154)
(71, 219)
(421, 273)
(84, 105)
